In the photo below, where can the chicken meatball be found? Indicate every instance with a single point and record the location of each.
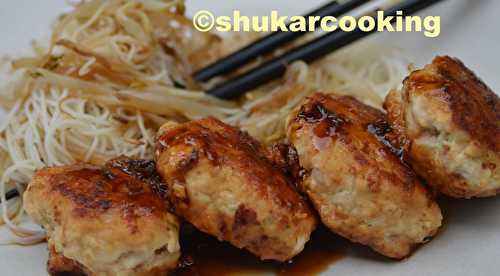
(354, 178)
(104, 220)
(223, 182)
(448, 121)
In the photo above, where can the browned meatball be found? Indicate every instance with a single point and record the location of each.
(449, 122)
(104, 221)
(223, 182)
(355, 180)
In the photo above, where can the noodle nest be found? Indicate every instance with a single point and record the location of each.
(115, 70)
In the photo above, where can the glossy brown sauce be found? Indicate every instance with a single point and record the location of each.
(123, 184)
(328, 124)
(143, 170)
(209, 138)
(381, 129)
(285, 158)
(97, 190)
(205, 256)
(327, 121)
(183, 146)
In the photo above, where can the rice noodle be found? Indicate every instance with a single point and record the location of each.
(110, 78)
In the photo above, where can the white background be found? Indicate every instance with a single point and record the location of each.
(470, 243)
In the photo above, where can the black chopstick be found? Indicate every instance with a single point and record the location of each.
(11, 194)
(270, 42)
(311, 51)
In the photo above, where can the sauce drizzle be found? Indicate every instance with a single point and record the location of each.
(328, 121)
(203, 255)
(381, 129)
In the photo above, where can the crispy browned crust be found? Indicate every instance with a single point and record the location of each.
(58, 265)
(457, 104)
(343, 145)
(120, 196)
(395, 117)
(344, 116)
(121, 185)
(222, 153)
(349, 121)
(226, 145)
(453, 185)
(285, 157)
(475, 107)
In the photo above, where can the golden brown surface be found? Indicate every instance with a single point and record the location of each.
(222, 181)
(58, 265)
(107, 220)
(450, 124)
(355, 180)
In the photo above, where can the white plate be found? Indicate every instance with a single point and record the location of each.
(470, 243)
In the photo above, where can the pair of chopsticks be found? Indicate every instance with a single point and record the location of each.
(308, 52)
